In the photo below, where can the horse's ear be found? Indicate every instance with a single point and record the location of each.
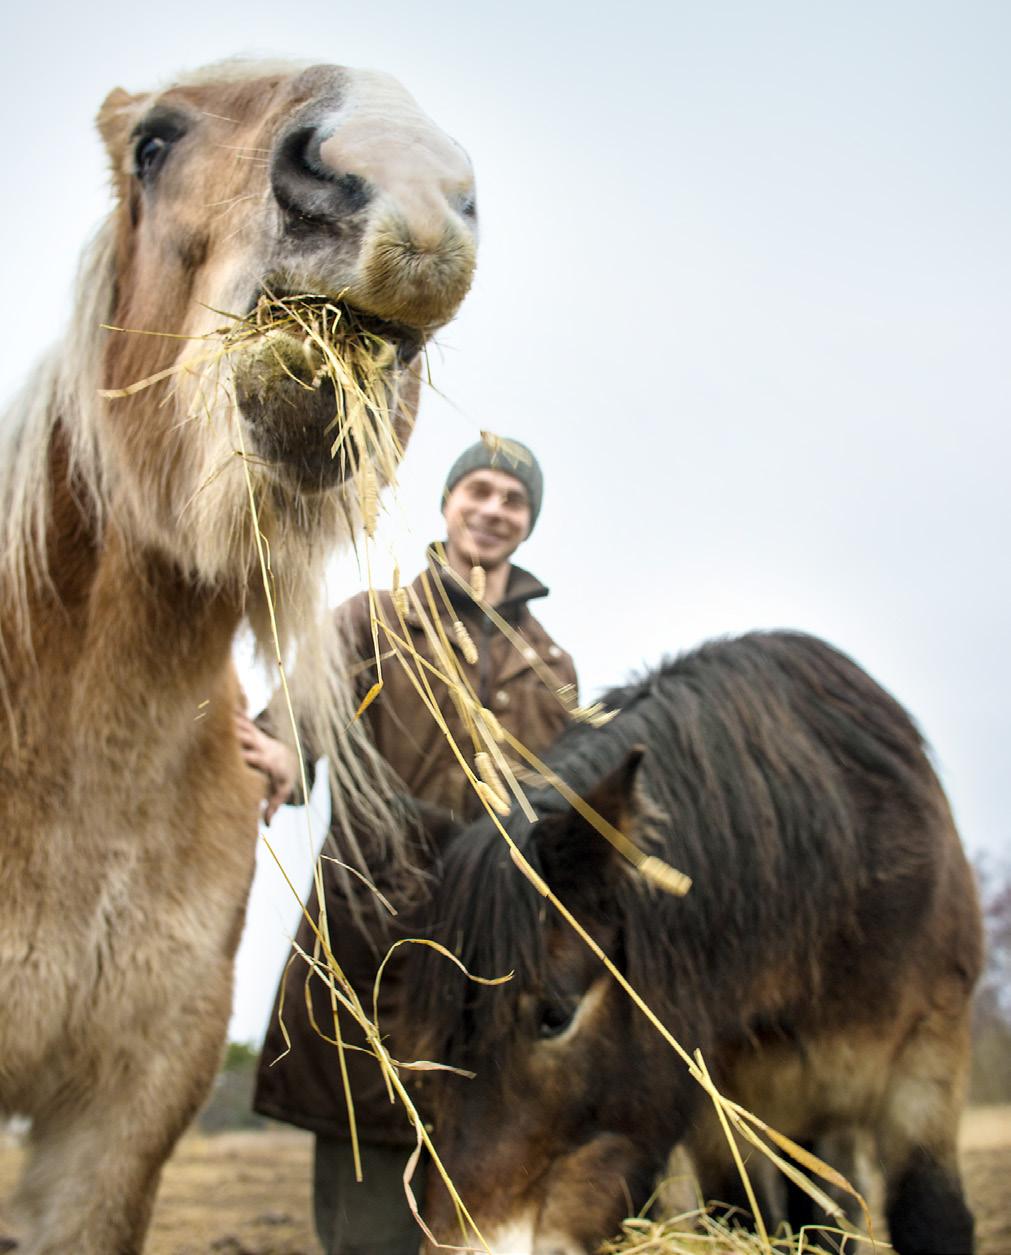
(613, 798)
(573, 853)
(115, 120)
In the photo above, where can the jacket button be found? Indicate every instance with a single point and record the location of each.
(501, 698)
(554, 651)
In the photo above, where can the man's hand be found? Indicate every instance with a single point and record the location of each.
(275, 760)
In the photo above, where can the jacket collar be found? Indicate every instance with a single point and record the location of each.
(521, 588)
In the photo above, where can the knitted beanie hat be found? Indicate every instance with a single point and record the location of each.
(499, 454)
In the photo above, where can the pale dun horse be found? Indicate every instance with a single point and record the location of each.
(128, 559)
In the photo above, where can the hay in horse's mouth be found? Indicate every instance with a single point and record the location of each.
(339, 322)
(318, 382)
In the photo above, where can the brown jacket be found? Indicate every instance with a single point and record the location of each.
(304, 1087)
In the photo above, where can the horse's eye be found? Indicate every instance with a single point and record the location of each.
(554, 1019)
(148, 154)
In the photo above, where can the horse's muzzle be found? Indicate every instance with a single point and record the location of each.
(371, 191)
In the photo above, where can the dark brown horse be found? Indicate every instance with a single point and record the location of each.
(823, 961)
(129, 554)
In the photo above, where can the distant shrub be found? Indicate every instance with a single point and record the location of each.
(991, 1050)
(230, 1103)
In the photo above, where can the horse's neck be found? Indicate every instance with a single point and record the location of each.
(151, 631)
(122, 649)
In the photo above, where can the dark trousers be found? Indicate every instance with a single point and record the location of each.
(370, 1217)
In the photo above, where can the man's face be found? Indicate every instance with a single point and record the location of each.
(487, 515)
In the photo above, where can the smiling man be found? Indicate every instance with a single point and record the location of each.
(491, 501)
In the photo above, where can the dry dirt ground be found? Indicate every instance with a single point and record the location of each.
(249, 1193)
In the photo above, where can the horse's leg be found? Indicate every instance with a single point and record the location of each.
(924, 1203)
(89, 1184)
(95, 1157)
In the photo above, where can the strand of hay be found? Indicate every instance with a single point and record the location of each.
(363, 426)
(324, 929)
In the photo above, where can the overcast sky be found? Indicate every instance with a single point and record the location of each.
(743, 286)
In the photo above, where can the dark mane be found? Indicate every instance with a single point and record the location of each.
(762, 754)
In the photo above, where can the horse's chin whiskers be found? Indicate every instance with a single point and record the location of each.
(231, 200)
(233, 235)
(223, 206)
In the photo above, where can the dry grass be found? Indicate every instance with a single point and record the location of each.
(699, 1232)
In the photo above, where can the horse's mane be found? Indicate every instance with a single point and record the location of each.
(755, 750)
(62, 391)
(237, 70)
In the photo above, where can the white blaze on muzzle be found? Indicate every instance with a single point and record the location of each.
(520, 1237)
(514, 1238)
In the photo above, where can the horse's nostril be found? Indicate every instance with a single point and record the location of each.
(307, 187)
(293, 150)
